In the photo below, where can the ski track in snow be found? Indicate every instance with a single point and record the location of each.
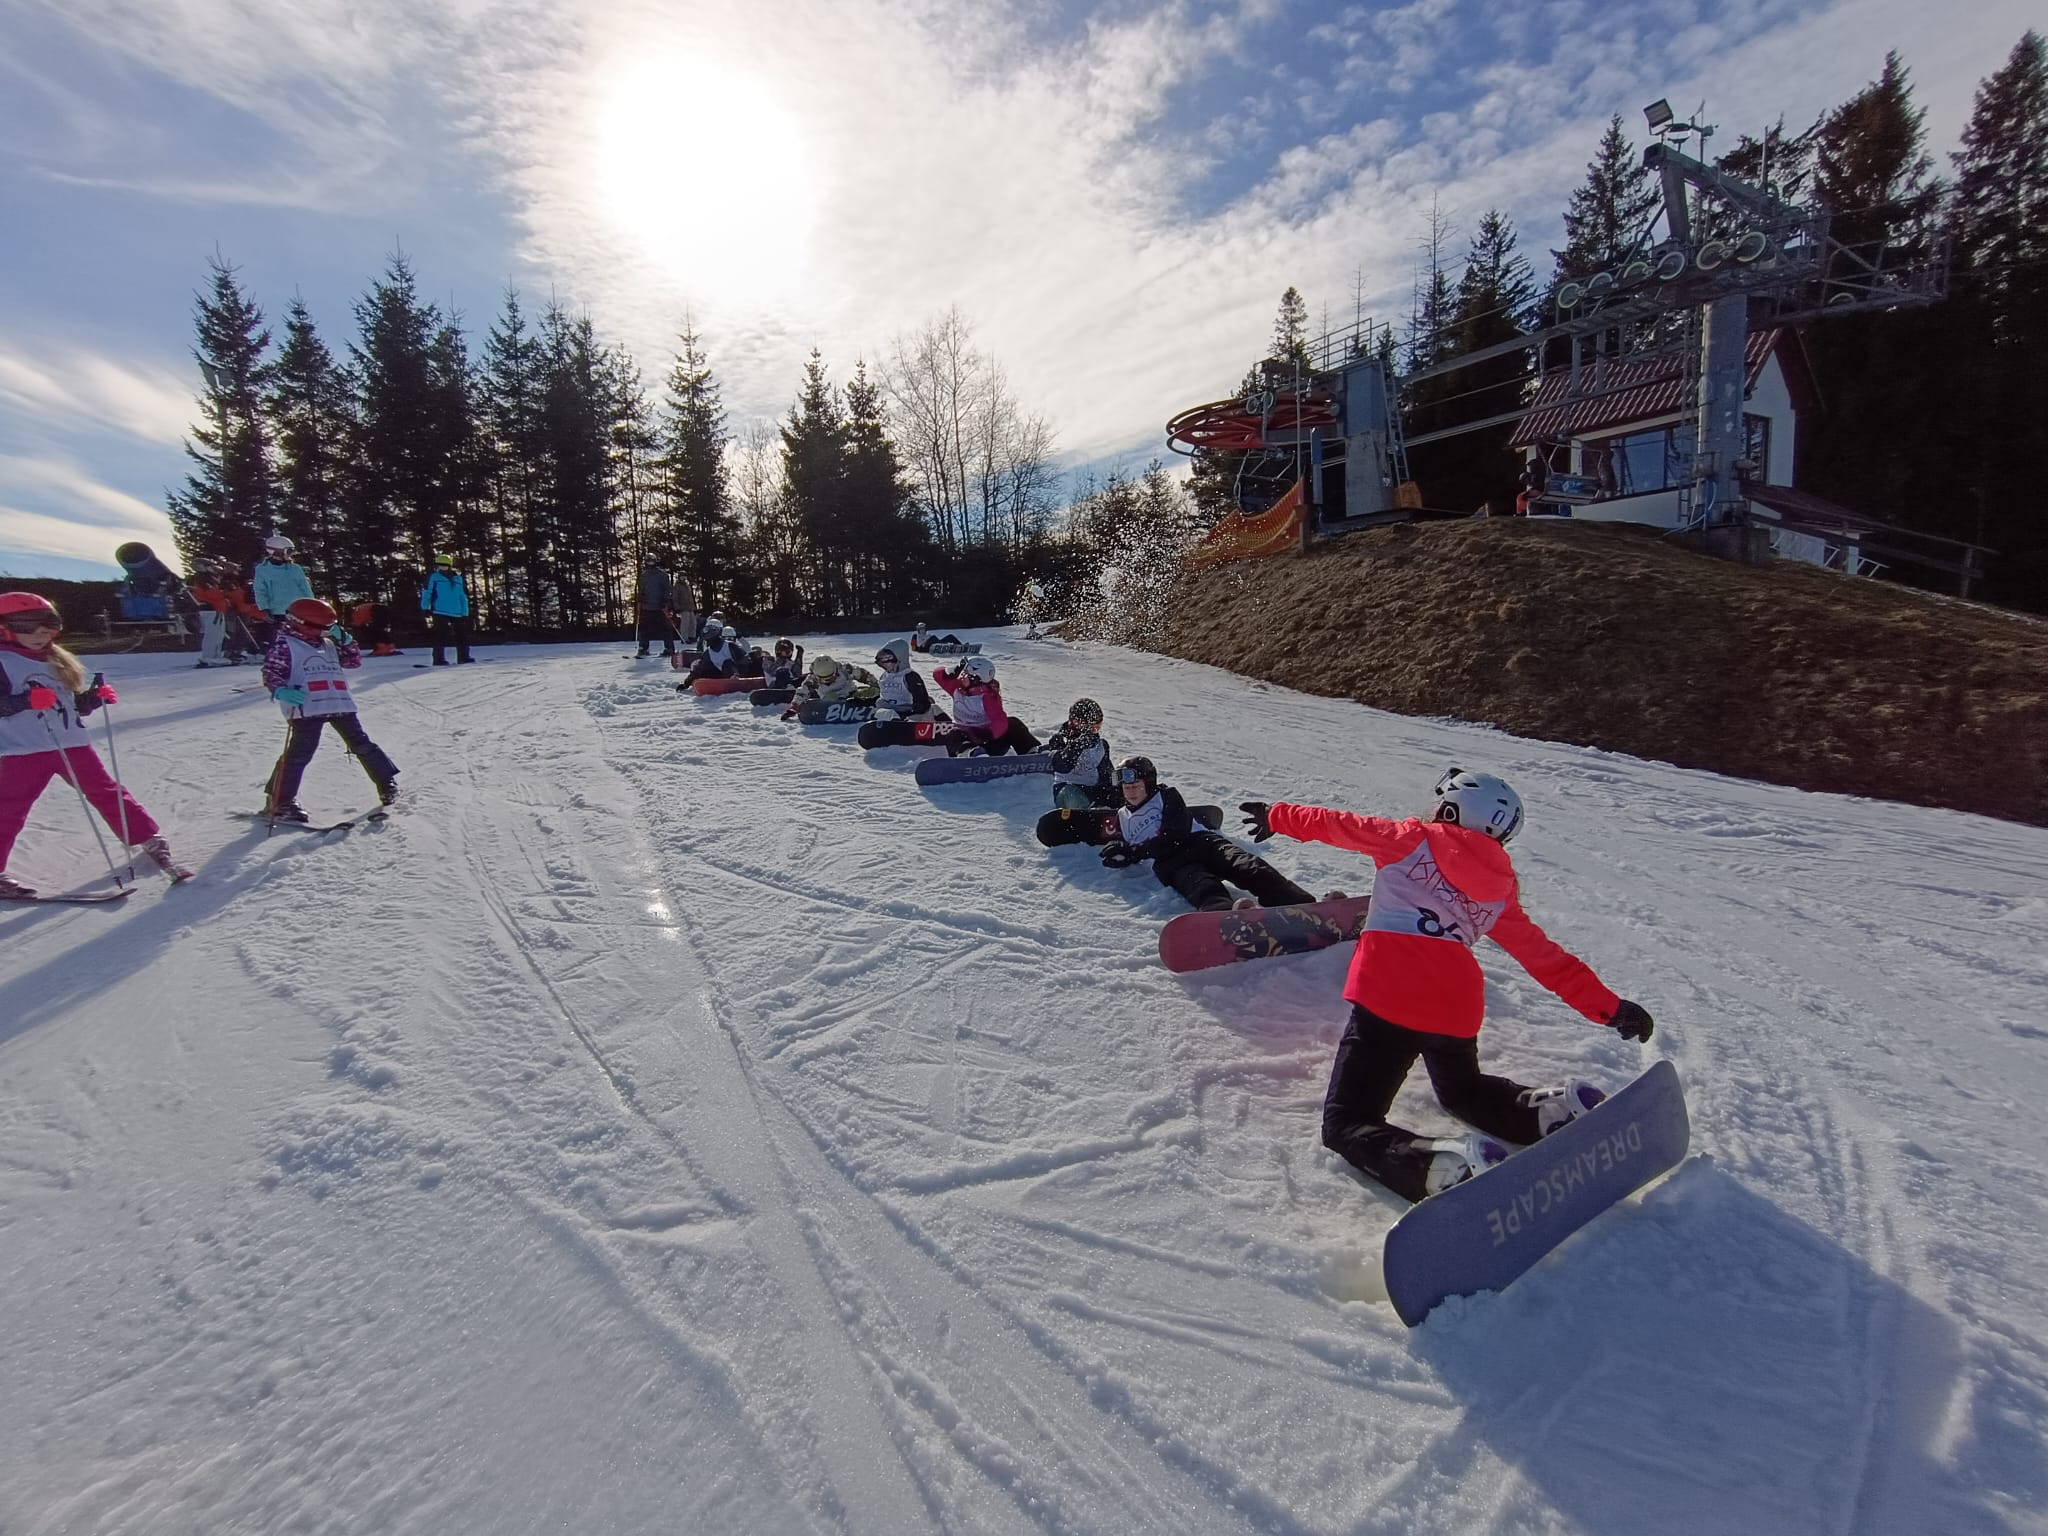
(676, 1119)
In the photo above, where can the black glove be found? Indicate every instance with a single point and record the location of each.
(1118, 855)
(1257, 819)
(83, 704)
(1632, 1021)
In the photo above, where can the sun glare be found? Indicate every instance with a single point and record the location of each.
(706, 170)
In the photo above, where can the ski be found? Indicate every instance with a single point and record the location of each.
(977, 770)
(1195, 941)
(68, 898)
(1485, 1233)
(278, 825)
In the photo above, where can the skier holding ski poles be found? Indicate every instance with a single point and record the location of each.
(1416, 991)
(45, 698)
(303, 671)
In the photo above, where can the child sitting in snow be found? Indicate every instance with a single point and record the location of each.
(1080, 760)
(981, 724)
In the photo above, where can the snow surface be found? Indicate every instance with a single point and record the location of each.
(675, 1121)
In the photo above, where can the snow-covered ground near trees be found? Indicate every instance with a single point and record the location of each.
(675, 1121)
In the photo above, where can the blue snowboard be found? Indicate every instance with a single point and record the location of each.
(977, 770)
(1483, 1234)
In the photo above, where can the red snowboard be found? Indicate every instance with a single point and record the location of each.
(705, 686)
(1195, 941)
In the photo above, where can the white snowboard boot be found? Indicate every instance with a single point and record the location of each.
(1560, 1106)
(1458, 1158)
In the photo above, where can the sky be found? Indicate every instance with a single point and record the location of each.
(1113, 197)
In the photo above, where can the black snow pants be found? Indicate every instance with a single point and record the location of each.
(305, 741)
(1198, 867)
(1017, 738)
(1373, 1060)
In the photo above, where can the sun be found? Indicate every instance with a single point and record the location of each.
(709, 173)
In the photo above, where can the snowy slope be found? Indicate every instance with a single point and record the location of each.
(675, 1121)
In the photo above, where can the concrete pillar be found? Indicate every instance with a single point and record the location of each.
(1723, 375)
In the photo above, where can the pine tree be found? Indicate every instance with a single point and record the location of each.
(695, 483)
(393, 498)
(228, 506)
(311, 405)
(1493, 304)
(1290, 332)
(1871, 166)
(1431, 335)
(575, 437)
(1608, 215)
(1999, 211)
(814, 445)
(1998, 310)
(637, 479)
(892, 545)
(511, 386)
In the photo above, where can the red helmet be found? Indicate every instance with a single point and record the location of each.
(24, 605)
(311, 616)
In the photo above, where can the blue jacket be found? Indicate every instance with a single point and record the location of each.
(445, 595)
(277, 587)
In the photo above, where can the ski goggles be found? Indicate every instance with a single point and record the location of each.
(1129, 776)
(36, 621)
(1444, 781)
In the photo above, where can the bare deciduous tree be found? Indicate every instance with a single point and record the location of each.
(982, 468)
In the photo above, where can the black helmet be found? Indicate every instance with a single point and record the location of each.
(1134, 770)
(1087, 711)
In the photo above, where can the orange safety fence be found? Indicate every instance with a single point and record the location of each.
(1240, 536)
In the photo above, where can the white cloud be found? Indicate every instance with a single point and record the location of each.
(80, 391)
(942, 159)
(96, 516)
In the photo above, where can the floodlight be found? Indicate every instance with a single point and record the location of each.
(1658, 114)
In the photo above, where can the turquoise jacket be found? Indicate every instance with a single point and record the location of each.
(277, 587)
(445, 595)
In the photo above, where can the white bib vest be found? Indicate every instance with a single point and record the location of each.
(317, 669)
(1412, 896)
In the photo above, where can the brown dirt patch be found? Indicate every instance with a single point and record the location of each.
(1604, 635)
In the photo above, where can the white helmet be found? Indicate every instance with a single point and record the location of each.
(278, 541)
(1478, 800)
(712, 630)
(980, 668)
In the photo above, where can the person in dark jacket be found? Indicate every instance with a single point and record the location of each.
(1082, 778)
(658, 607)
(1153, 823)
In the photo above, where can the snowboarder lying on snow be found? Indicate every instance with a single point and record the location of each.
(834, 682)
(302, 669)
(981, 724)
(924, 639)
(1080, 761)
(45, 697)
(1153, 823)
(719, 653)
(903, 695)
(1416, 991)
(785, 669)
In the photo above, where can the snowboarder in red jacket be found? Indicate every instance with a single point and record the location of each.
(1416, 991)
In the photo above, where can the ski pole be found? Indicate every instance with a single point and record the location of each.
(64, 767)
(114, 766)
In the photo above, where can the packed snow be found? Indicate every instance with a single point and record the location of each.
(676, 1120)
